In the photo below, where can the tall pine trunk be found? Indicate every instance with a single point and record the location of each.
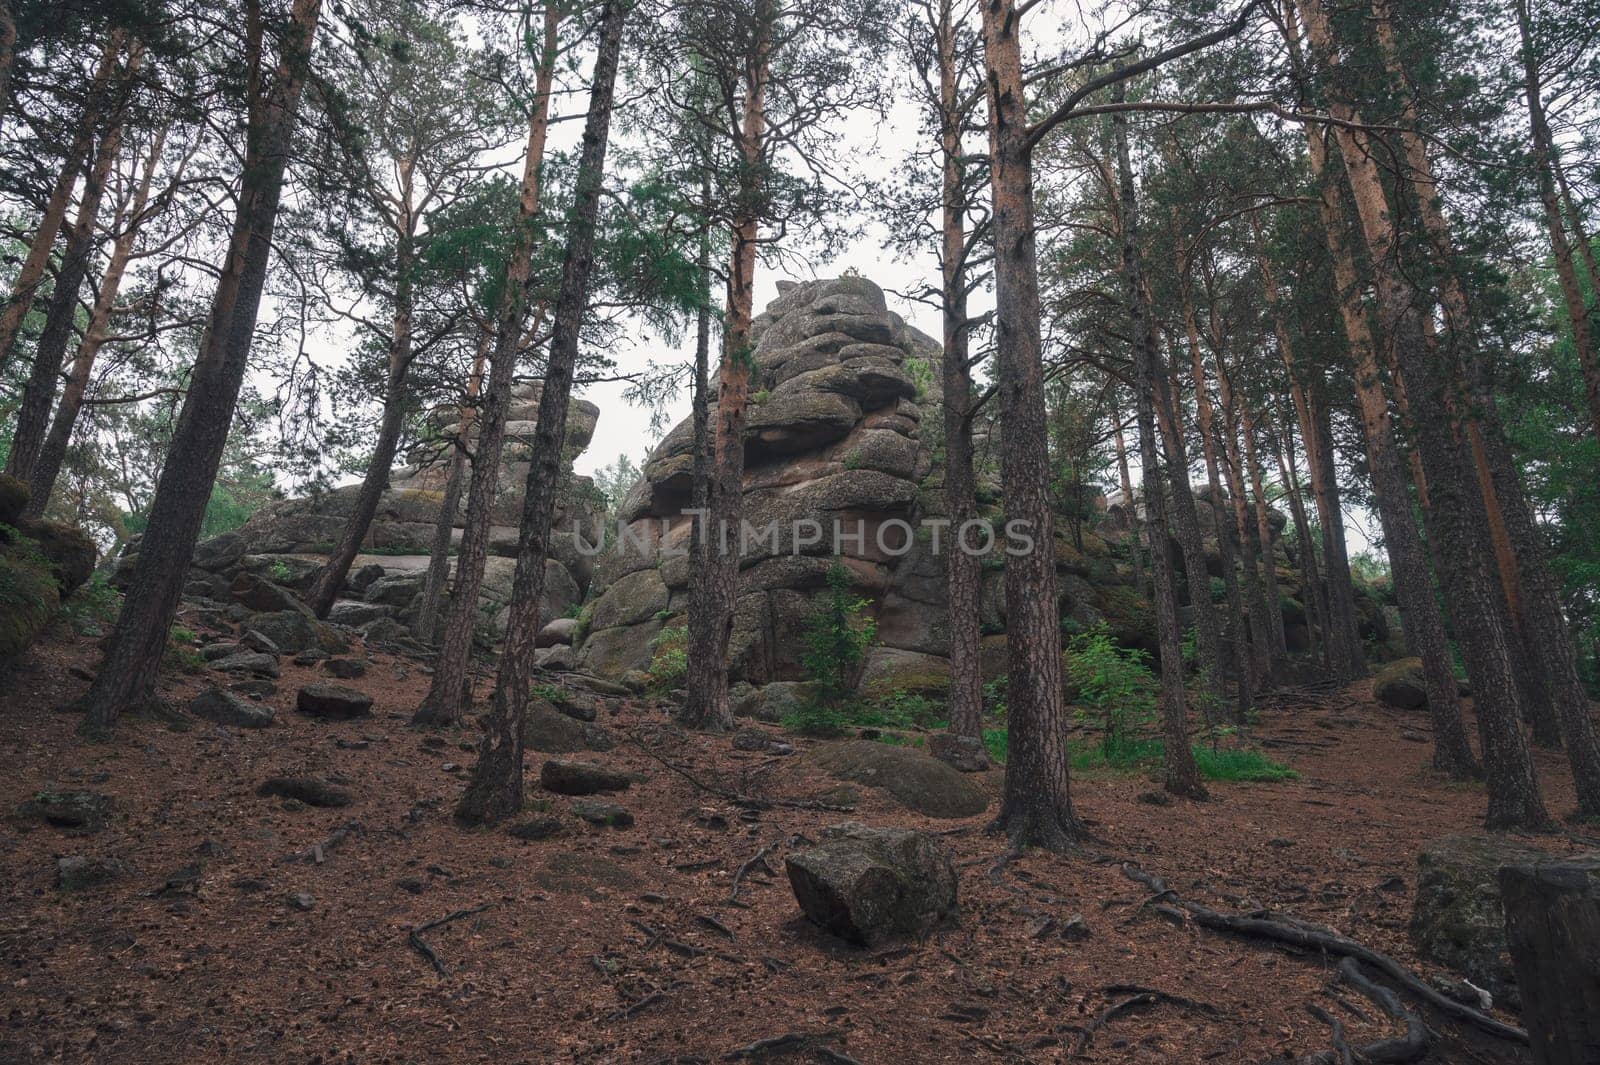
(31, 274)
(1182, 774)
(495, 790)
(38, 395)
(426, 626)
(1261, 642)
(716, 586)
(391, 423)
(126, 677)
(1465, 560)
(1316, 599)
(963, 571)
(47, 467)
(1035, 801)
(450, 691)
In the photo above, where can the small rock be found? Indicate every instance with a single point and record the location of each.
(357, 614)
(211, 652)
(257, 641)
(1280, 842)
(226, 708)
(581, 778)
(1076, 928)
(538, 828)
(751, 738)
(604, 814)
(333, 701)
(345, 668)
(78, 871)
(302, 901)
(365, 577)
(1155, 798)
(182, 881)
(262, 665)
(250, 885)
(310, 657)
(77, 812)
(411, 884)
(964, 753)
(254, 687)
(312, 791)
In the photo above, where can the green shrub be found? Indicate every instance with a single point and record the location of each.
(180, 653)
(669, 659)
(837, 635)
(91, 606)
(279, 572)
(1113, 684)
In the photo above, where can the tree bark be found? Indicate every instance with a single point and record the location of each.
(450, 692)
(495, 790)
(331, 580)
(1316, 599)
(1553, 934)
(716, 587)
(38, 395)
(1134, 552)
(1036, 801)
(426, 627)
(1244, 659)
(1269, 559)
(1544, 163)
(47, 467)
(1465, 561)
(30, 276)
(126, 678)
(8, 54)
(963, 571)
(1182, 774)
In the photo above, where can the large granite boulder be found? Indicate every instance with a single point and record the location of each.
(919, 782)
(1458, 920)
(282, 545)
(869, 885)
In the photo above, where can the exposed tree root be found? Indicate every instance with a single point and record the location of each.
(1139, 998)
(790, 1042)
(420, 945)
(759, 861)
(1311, 937)
(1410, 1047)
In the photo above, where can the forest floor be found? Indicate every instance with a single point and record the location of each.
(606, 945)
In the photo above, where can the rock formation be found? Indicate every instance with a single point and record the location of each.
(284, 543)
(844, 432)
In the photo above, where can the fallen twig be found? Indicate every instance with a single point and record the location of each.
(789, 1041)
(747, 802)
(760, 859)
(420, 945)
(638, 1007)
(317, 853)
(1301, 934)
(1141, 996)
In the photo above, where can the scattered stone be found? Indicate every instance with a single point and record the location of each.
(226, 708)
(578, 705)
(581, 778)
(293, 632)
(302, 901)
(964, 754)
(868, 885)
(552, 732)
(333, 702)
(751, 739)
(636, 681)
(1076, 928)
(413, 885)
(1154, 797)
(921, 784)
(557, 632)
(346, 612)
(310, 657)
(535, 829)
(313, 791)
(1463, 991)
(257, 641)
(255, 687)
(603, 814)
(259, 594)
(78, 871)
(345, 668)
(182, 881)
(1401, 685)
(384, 630)
(262, 665)
(351, 745)
(364, 577)
(250, 885)
(76, 812)
(211, 652)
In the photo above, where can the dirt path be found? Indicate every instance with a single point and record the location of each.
(618, 945)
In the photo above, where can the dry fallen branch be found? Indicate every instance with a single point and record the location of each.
(747, 802)
(420, 945)
(813, 1041)
(317, 853)
(1310, 937)
(760, 860)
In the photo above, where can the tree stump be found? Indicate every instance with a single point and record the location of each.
(1553, 929)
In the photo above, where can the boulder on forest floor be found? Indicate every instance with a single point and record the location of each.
(252, 662)
(1457, 919)
(868, 885)
(581, 778)
(75, 872)
(964, 754)
(76, 812)
(333, 701)
(1403, 685)
(920, 783)
(549, 731)
(313, 791)
(225, 708)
